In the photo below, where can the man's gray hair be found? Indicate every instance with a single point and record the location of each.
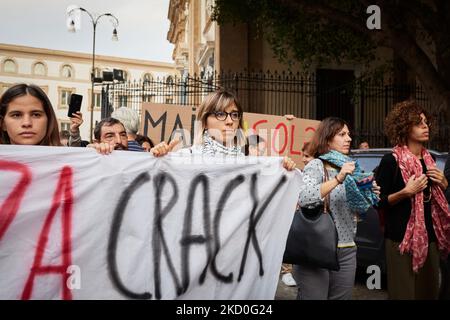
(129, 119)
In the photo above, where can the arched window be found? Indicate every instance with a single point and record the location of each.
(125, 75)
(39, 69)
(148, 77)
(66, 71)
(169, 80)
(9, 66)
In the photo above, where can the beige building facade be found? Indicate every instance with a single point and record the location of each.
(202, 46)
(193, 34)
(61, 73)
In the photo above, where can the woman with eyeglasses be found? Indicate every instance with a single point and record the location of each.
(220, 129)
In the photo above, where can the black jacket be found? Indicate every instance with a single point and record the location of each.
(390, 180)
(447, 175)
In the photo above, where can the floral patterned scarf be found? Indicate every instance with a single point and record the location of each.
(415, 240)
(211, 147)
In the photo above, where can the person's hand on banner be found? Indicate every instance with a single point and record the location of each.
(161, 149)
(102, 147)
(288, 164)
(289, 117)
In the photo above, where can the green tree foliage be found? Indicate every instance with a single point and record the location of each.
(321, 31)
(297, 35)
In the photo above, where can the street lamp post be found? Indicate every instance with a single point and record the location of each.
(94, 19)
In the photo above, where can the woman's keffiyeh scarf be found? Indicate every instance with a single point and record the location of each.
(415, 240)
(212, 147)
(358, 186)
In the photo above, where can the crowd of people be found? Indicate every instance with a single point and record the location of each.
(412, 192)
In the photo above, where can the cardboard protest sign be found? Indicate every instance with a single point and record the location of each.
(78, 225)
(283, 137)
(164, 122)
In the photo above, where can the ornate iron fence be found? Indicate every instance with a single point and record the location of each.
(364, 104)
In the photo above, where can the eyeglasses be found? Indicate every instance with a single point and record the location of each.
(222, 115)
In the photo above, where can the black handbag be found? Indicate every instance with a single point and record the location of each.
(313, 237)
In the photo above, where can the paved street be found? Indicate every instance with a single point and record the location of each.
(360, 291)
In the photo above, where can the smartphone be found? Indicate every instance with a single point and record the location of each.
(75, 103)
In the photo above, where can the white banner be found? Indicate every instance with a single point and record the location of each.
(78, 225)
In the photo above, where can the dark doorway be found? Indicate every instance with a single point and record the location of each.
(334, 94)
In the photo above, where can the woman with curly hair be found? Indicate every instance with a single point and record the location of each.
(417, 218)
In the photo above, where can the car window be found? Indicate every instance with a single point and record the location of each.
(440, 162)
(368, 163)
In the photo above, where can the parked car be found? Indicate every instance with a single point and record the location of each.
(369, 236)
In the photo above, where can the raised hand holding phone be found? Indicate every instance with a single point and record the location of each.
(74, 104)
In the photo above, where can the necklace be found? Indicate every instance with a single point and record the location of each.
(427, 199)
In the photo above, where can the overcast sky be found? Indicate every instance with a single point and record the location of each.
(143, 27)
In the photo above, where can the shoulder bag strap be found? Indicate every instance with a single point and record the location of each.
(326, 203)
